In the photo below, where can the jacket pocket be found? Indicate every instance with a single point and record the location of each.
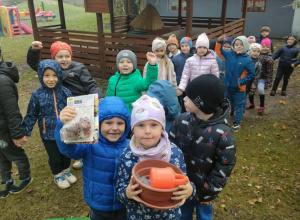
(44, 126)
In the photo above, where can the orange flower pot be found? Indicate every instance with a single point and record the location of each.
(165, 178)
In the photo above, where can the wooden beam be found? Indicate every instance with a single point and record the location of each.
(180, 12)
(245, 3)
(223, 15)
(32, 18)
(101, 42)
(189, 18)
(62, 14)
(128, 14)
(112, 18)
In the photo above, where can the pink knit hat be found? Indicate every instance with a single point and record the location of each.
(266, 42)
(147, 108)
(202, 40)
(251, 38)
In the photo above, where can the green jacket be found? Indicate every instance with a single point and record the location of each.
(130, 87)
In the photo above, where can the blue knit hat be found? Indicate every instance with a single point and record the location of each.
(187, 40)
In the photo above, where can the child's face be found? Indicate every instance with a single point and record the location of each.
(160, 52)
(172, 48)
(112, 129)
(238, 46)
(265, 49)
(201, 51)
(226, 46)
(190, 106)
(264, 33)
(185, 48)
(63, 58)
(148, 133)
(290, 41)
(250, 42)
(125, 66)
(50, 78)
(254, 53)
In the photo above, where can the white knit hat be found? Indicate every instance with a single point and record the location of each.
(202, 41)
(157, 43)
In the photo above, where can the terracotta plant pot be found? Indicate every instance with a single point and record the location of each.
(153, 197)
(165, 178)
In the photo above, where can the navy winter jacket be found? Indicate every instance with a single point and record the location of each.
(288, 55)
(179, 62)
(100, 160)
(46, 103)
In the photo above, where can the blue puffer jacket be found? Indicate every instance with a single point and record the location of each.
(100, 160)
(46, 103)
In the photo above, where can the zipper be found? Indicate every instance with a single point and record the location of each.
(54, 97)
(116, 85)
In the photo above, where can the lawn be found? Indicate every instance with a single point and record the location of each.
(264, 184)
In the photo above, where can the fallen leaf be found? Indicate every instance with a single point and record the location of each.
(275, 124)
(252, 201)
(223, 205)
(246, 138)
(259, 200)
(85, 214)
(272, 207)
(249, 184)
(278, 188)
(258, 134)
(223, 200)
(277, 157)
(284, 127)
(282, 102)
(258, 187)
(28, 190)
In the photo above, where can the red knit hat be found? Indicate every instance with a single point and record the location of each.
(57, 46)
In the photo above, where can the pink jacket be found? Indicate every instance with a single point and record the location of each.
(196, 66)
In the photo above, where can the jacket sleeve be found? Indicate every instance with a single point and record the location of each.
(250, 73)
(172, 75)
(214, 68)
(73, 151)
(33, 58)
(257, 75)
(218, 49)
(277, 54)
(297, 63)
(142, 84)
(32, 115)
(186, 75)
(224, 163)
(89, 83)
(10, 108)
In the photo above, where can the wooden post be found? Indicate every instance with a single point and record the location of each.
(223, 15)
(62, 14)
(128, 14)
(189, 18)
(33, 18)
(245, 3)
(179, 21)
(101, 43)
(112, 18)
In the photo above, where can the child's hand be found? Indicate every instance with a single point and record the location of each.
(151, 58)
(36, 45)
(67, 114)
(131, 191)
(293, 65)
(20, 142)
(184, 192)
(179, 92)
(222, 37)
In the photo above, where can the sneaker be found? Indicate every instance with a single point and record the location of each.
(69, 176)
(273, 93)
(20, 185)
(78, 164)
(260, 111)
(61, 182)
(235, 127)
(283, 93)
(250, 106)
(5, 187)
(232, 112)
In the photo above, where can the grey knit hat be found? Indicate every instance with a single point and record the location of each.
(127, 54)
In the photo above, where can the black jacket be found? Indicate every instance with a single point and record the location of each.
(10, 116)
(288, 55)
(209, 150)
(76, 77)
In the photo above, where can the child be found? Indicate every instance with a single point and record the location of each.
(45, 105)
(203, 62)
(264, 32)
(179, 62)
(251, 40)
(11, 132)
(165, 65)
(221, 60)
(100, 159)
(239, 70)
(172, 45)
(150, 141)
(128, 83)
(254, 52)
(166, 95)
(207, 144)
(287, 54)
(266, 76)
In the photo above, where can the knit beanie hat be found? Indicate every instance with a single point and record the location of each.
(228, 40)
(202, 40)
(129, 55)
(187, 40)
(245, 43)
(173, 40)
(147, 108)
(206, 92)
(57, 46)
(254, 46)
(251, 38)
(157, 43)
(266, 42)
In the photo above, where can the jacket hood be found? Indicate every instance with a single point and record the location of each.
(245, 43)
(52, 64)
(166, 95)
(110, 107)
(293, 35)
(10, 70)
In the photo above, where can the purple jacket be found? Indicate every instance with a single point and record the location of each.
(196, 66)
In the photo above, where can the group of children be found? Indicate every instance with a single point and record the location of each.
(198, 141)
